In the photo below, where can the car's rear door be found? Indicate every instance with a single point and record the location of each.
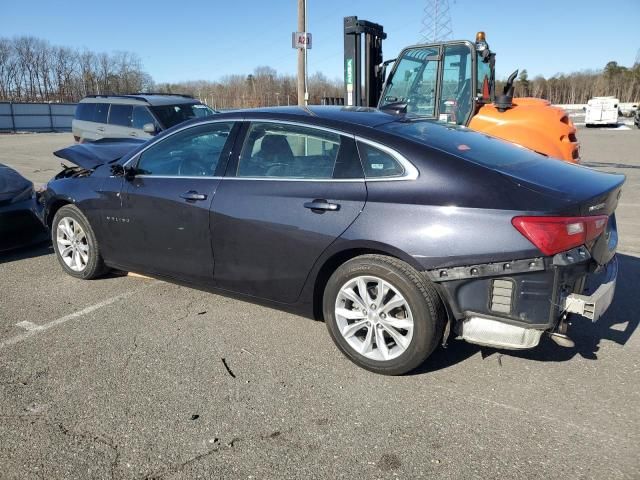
(288, 194)
(164, 219)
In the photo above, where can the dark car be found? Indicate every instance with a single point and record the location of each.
(398, 232)
(636, 118)
(19, 224)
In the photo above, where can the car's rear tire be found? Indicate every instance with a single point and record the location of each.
(393, 327)
(75, 244)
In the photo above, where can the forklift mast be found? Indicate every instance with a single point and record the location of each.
(373, 78)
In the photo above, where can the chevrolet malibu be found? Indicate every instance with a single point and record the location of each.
(397, 232)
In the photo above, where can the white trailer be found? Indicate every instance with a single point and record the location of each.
(602, 111)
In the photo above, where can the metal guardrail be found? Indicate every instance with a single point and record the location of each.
(36, 117)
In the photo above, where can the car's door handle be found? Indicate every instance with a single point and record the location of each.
(320, 204)
(100, 129)
(133, 134)
(193, 195)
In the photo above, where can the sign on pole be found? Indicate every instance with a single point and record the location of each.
(301, 40)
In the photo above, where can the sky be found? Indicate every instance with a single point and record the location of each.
(207, 39)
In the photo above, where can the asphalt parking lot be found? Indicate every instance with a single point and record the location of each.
(127, 377)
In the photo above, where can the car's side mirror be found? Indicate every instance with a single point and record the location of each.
(117, 170)
(149, 128)
(130, 173)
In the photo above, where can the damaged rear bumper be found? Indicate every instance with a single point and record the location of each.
(593, 306)
(509, 305)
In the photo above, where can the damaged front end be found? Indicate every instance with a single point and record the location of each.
(73, 172)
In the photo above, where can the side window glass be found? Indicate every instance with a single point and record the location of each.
(101, 113)
(194, 152)
(120, 115)
(288, 151)
(378, 163)
(86, 111)
(142, 116)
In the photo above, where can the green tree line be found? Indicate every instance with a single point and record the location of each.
(578, 87)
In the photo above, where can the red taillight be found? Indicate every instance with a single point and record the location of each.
(557, 234)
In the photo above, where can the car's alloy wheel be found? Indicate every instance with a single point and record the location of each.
(73, 244)
(383, 314)
(374, 318)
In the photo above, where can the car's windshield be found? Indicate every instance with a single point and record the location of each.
(170, 115)
(413, 81)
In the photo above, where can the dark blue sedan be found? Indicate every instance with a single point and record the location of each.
(396, 231)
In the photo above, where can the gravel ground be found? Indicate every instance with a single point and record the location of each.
(127, 377)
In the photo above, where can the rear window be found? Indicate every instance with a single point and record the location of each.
(120, 115)
(170, 115)
(468, 144)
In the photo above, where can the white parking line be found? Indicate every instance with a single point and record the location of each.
(32, 329)
(28, 325)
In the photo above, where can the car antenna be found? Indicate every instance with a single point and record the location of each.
(308, 110)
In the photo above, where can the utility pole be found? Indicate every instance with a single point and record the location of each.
(302, 55)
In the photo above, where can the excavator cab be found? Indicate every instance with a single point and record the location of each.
(444, 81)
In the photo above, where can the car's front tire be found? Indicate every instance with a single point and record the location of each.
(383, 314)
(75, 244)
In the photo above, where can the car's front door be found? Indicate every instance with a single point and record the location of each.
(165, 208)
(290, 193)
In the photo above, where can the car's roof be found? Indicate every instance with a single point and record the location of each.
(140, 99)
(364, 116)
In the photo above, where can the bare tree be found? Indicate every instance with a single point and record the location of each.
(32, 70)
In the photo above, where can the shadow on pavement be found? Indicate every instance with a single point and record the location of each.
(617, 325)
(37, 250)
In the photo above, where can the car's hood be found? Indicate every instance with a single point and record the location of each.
(93, 154)
(11, 183)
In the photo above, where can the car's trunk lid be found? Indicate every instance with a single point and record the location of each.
(580, 191)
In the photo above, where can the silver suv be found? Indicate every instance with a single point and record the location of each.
(137, 115)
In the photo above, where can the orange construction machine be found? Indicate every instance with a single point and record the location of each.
(452, 82)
